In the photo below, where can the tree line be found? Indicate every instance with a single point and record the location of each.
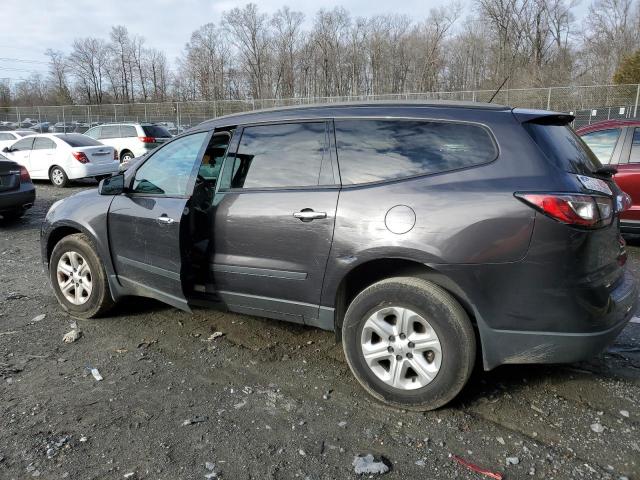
(251, 54)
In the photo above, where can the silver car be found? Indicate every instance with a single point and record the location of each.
(130, 139)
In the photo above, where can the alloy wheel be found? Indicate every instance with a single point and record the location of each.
(74, 278)
(401, 348)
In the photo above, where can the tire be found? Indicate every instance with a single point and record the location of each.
(58, 177)
(444, 350)
(13, 215)
(85, 304)
(126, 156)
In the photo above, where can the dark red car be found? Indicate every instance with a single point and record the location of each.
(617, 143)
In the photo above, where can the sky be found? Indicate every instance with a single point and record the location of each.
(30, 27)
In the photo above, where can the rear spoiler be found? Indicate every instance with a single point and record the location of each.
(542, 117)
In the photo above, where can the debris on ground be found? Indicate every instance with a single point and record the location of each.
(9, 333)
(211, 467)
(53, 448)
(129, 474)
(147, 343)
(367, 464)
(500, 440)
(72, 336)
(194, 420)
(15, 296)
(214, 335)
(512, 460)
(342, 424)
(475, 468)
(39, 318)
(624, 413)
(95, 373)
(597, 427)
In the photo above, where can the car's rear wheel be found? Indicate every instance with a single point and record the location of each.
(126, 156)
(58, 176)
(78, 277)
(409, 343)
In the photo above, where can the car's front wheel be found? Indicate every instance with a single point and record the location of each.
(58, 176)
(409, 343)
(78, 277)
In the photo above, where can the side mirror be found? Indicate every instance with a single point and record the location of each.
(113, 185)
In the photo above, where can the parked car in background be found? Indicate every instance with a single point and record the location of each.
(130, 139)
(420, 233)
(42, 127)
(617, 143)
(63, 127)
(9, 137)
(17, 192)
(63, 157)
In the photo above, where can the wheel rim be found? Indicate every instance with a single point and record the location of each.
(127, 156)
(57, 176)
(401, 348)
(74, 278)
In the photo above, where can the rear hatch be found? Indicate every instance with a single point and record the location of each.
(155, 135)
(600, 251)
(9, 175)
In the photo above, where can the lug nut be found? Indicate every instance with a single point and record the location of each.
(409, 355)
(411, 345)
(390, 349)
(430, 356)
(392, 338)
(398, 357)
(402, 336)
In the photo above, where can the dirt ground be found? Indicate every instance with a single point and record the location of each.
(272, 400)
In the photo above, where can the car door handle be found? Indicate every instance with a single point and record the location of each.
(164, 220)
(307, 214)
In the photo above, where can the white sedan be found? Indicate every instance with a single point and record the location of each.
(61, 157)
(8, 137)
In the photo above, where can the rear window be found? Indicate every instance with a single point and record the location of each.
(377, 150)
(78, 140)
(156, 131)
(564, 147)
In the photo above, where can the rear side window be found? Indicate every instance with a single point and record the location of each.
(156, 131)
(280, 156)
(110, 131)
(128, 131)
(602, 143)
(635, 147)
(377, 150)
(43, 143)
(78, 140)
(564, 148)
(6, 136)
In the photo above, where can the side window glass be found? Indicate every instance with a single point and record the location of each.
(94, 132)
(128, 131)
(43, 143)
(168, 170)
(24, 144)
(602, 143)
(213, 157)
(377, 150)
(6, 136)
(635, 147)
(280, 156)
(110, 131)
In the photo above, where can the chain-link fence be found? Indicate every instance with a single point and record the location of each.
(588, 103)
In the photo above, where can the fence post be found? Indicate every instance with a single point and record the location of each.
(18, 115)
(64, 127)
(635, 109)
(549, 99)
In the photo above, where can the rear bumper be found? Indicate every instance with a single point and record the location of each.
(16, 199)
(629, 227)
(93, 170)
(518, 347)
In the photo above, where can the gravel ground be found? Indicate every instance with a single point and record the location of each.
(272, 400)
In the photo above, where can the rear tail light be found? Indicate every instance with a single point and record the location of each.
(147, 139)
(115, 155)
(24, 175)
(81, 157)
(578, 210)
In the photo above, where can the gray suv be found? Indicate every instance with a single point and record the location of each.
(424, 235)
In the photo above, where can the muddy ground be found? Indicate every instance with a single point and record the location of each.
(272, 400)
